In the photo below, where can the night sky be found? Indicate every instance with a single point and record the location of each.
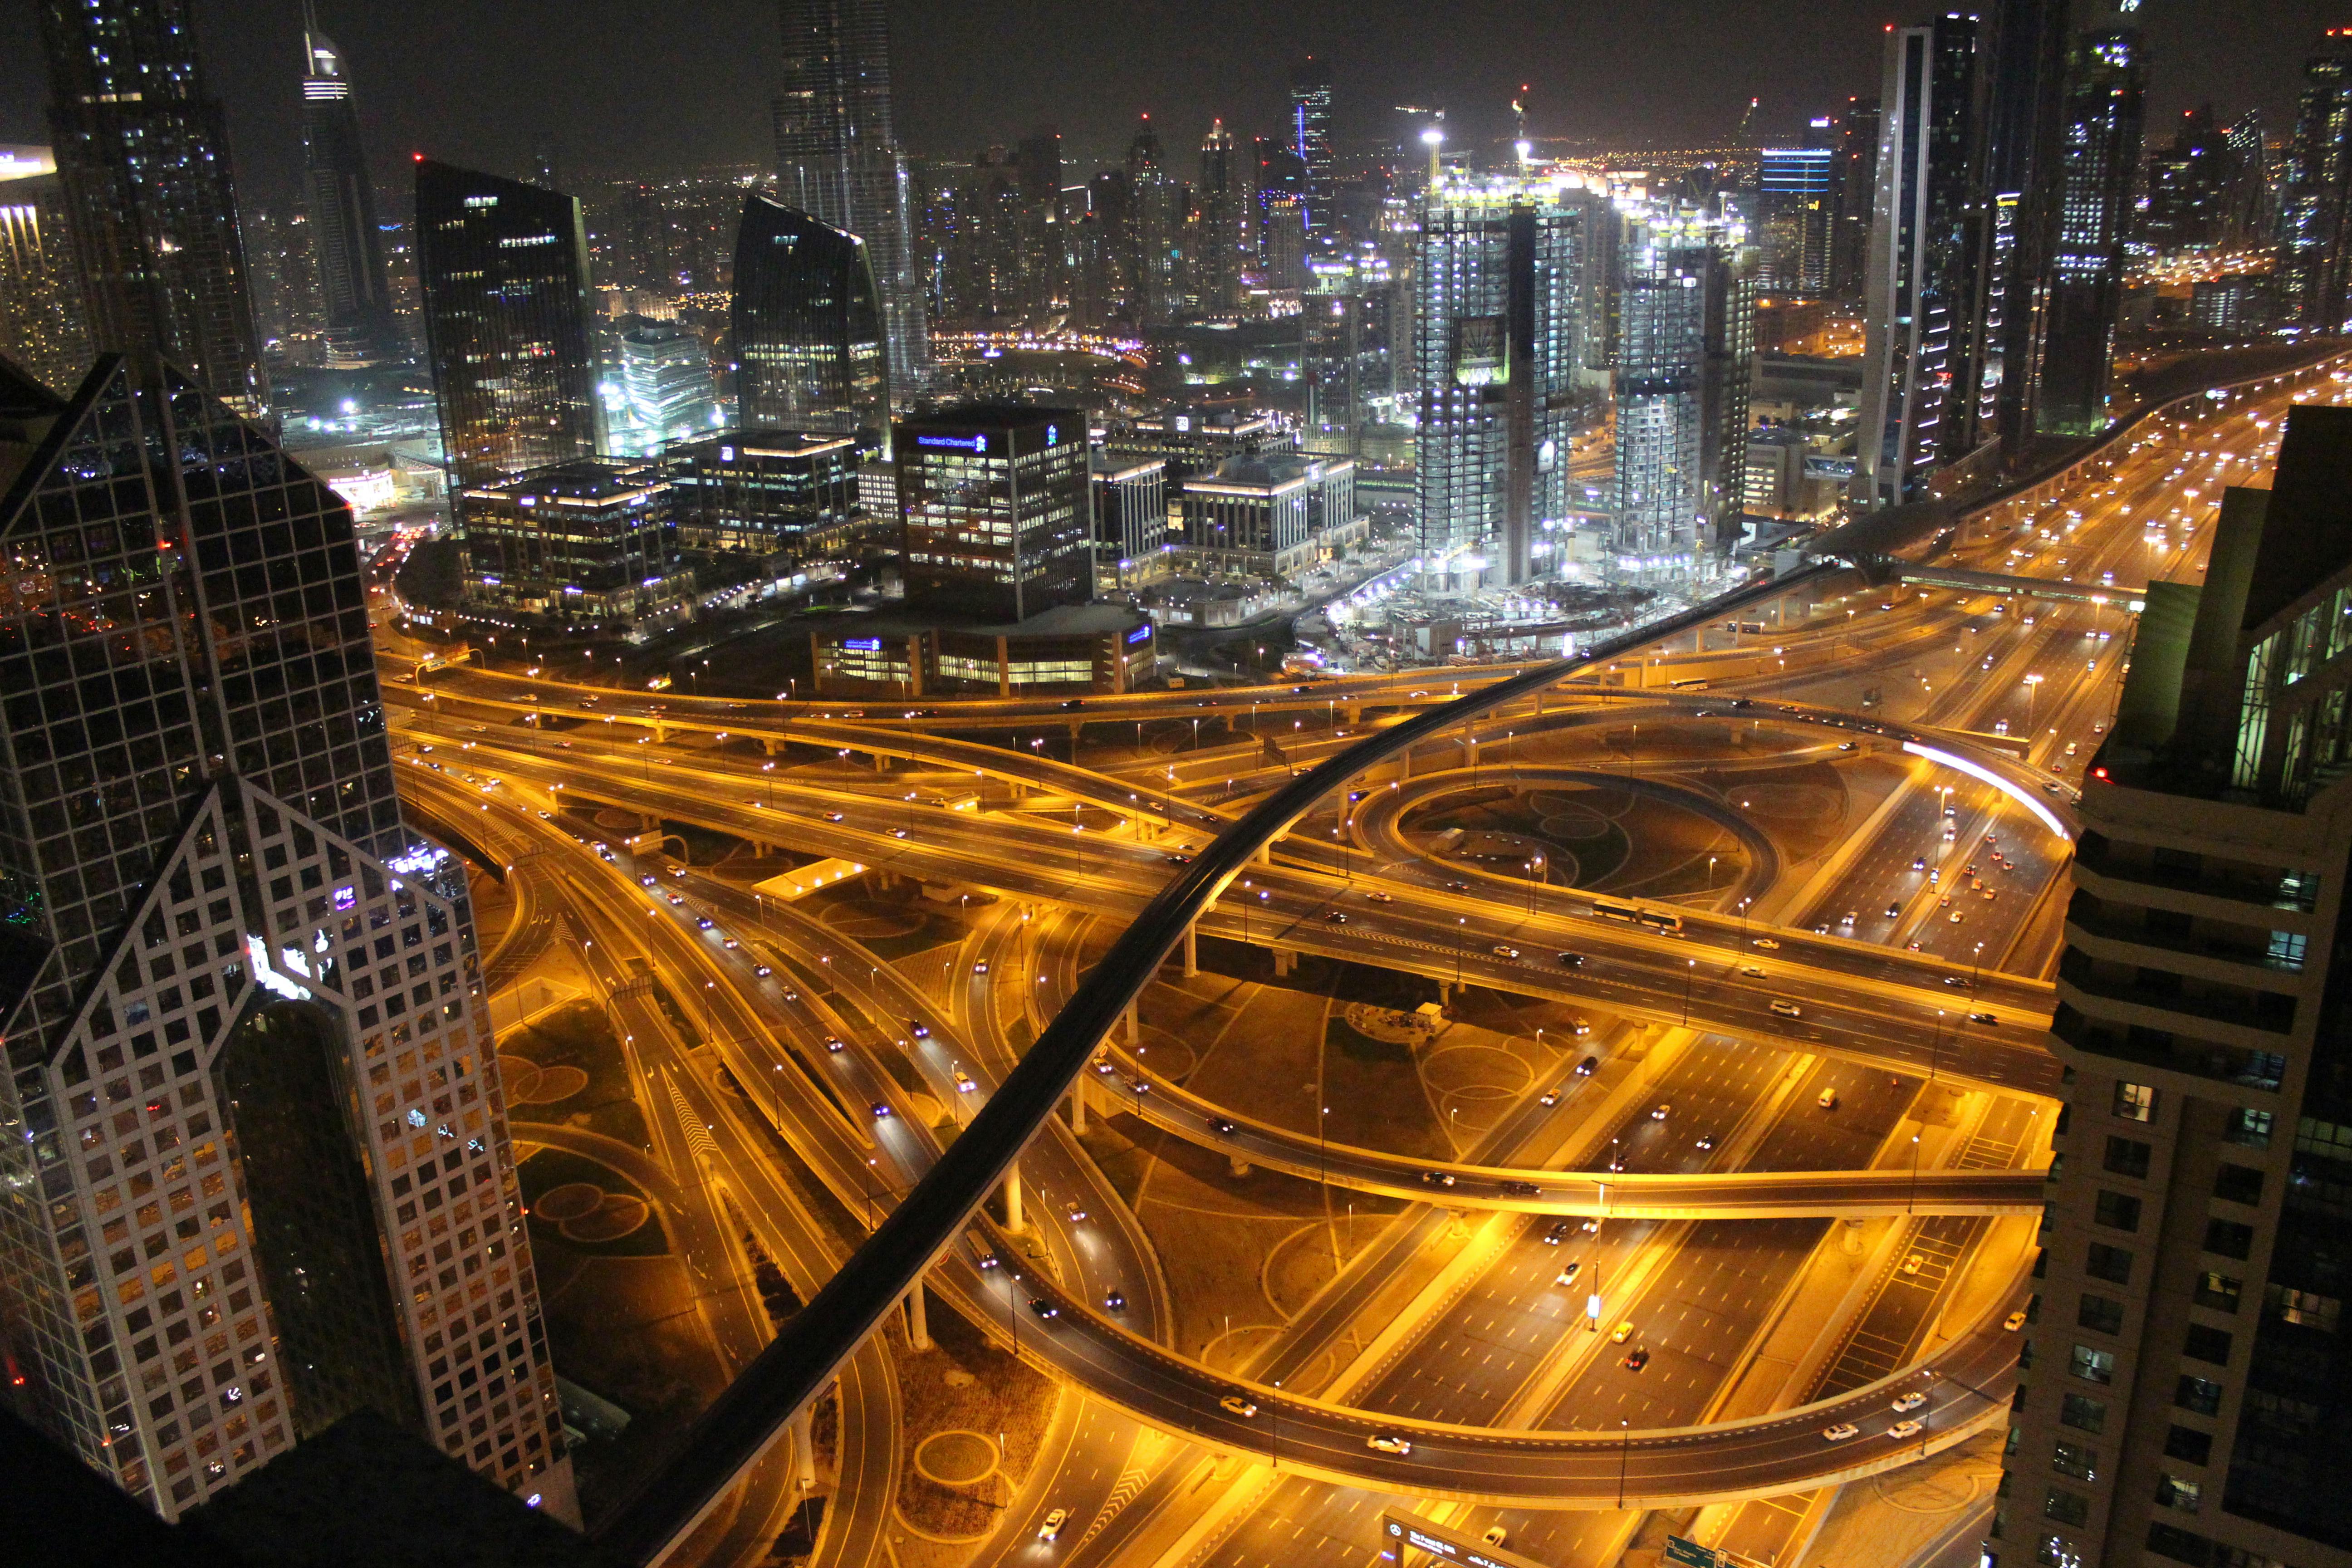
(627, 87)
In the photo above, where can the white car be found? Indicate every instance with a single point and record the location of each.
(1902, 1429)
(1911, 1401)
(1841, 1432)
(1053, 1525)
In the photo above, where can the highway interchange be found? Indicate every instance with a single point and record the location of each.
(1505, 1401)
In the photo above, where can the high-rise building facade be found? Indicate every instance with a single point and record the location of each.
(2025, 47)
(1038, 162)
(1310, 140)
(505, 269)
(2189, 1396)
(1499, 339)
(1853, 136)
(2314, 238)
(1344, 359)
(344, 234)
(2192, 187)
(995, 516)
(40, 304)
(1685, 337)
(788, 495)
(259, 1173)
(665, 382)
(2098, 165)
(1228, 247)
(1154, 229)
(811, 344)
(142, 152)
(837, 159)
(1795, 210)
(589, 543)
(1922, 377)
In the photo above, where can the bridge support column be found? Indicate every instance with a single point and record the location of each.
(1013, 1199)
(803, 1450)
(881, 764)
(1285, 962)
(1079, 1105)
(919, 1324)
(1191, 952)
(1134, 1026)
(1849, 1238)
(1239, 1166)
(771, 745)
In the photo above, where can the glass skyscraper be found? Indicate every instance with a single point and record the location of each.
(1498, 329)
(1686, 334)
(2098, 163)
(838, 160)
(808, 325)
(40, 304)
(2315, 270)
(142, 151)
(505, 269)
(257, 1171)
(357, 295)
(1310, 139)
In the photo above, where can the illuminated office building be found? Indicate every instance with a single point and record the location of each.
(1497, 271)
(259, 1173)
(355, 286)
(589, 544)
(789, 495)
(143, 153)
(1344, 359)
(1228, 197)
(40, 304)
(810, 339)
(505, 269)
(2097, 169)
(665, 380)
(2314, 228)
(1310, 140)
(2187, 1396)
(838, 160)
(995, 516)
(1794, 215)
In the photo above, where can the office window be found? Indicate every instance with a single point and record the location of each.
(2238, 1185)
(2113, 1264)
(2181, 1545)
(2190, 1444)
(2128, 1157)
(2065, 1507)
(2306, 1308)
(2207, 1344)
(2173, 1492)
(2075, 1460)
(2228, 1239)
(2199, 1394)
(2249, 1129)
(2217, 1291)
(2119, 1211)
(2093, 1365)
(2134, 1103)
(2082, 1413)
(2102, 1314)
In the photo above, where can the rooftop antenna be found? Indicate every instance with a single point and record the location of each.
(1739, 138)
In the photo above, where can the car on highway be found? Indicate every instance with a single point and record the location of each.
(1957, 982)
(1753, 971)
(1846, 745)
(1587, 1066)
(1983, 1018)
(1222, 1127)
(1494, 1535)
(1114, 1300)
(1956, 915)
(1567, 1274)
(1639, 1359)
(833, 816)
(704, 923)
(1911, 1401)
(1437, 1178)
(1846, 919)
(731, 943)
(1382, 1442)
(1903, 1430)
(1180, 860)
(1590, 1225)
(980, 967)
(762, 970)
(1766, 943)
(1894, 911)
(1457, 887)
(1103, 1063)
(1786, 1008)
(1548, 1098)
(1913, 1263)
(1661, 1111)
(989, 1261)
(833, 1043)
(1579, 1026)
(881, 1111)
(918, 1028)
(1706, 1141)
(1828, 1101)
(1520, 1189)
(963, 1082)
(1572, 959)
(1505, 950)
(1555, 1233)
(1621, 1332)
(1052, 1527)
(1076, 1214)
(898, 833)
(1042, 1308)
(1919, 862)
(1379, 898)
(675, 898)
(647, 881)
(1841, 1432)
(1336, 917)
(1235, 1404)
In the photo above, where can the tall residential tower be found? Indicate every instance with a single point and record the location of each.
(349, 242)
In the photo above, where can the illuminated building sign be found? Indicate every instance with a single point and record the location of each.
(1141, 634)
(964, 443)
(420, 859)
(863, 645)
(256, 953)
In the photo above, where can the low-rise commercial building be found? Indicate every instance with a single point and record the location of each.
(1071, 649)
(994, 518)
(589, 544)
(1131, 511)
(1271, 517)
(788, 496)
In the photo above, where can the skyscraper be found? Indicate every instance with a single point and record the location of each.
(1039, 164)
(1794, 210)
(1921, 375)
(808, 325)
(2313, 232)
(2098, 163)
(2192, 188)
(40, 306)
(261, 1175)
(142, 152)
(1498, 268)
(838, 160)
(360, 325)
(1228, 236)
(2190, 1393)
(994, 510)
(1853, 136)
(1310, 138)
(1152, 227)
(666, 377)
(2025, 49)
(1686, 332)
(505, 269)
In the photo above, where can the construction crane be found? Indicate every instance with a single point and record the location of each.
(1739, 137)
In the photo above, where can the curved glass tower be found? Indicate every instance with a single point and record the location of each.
(808, 324)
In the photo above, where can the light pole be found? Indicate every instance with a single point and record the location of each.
(1624, 1455)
